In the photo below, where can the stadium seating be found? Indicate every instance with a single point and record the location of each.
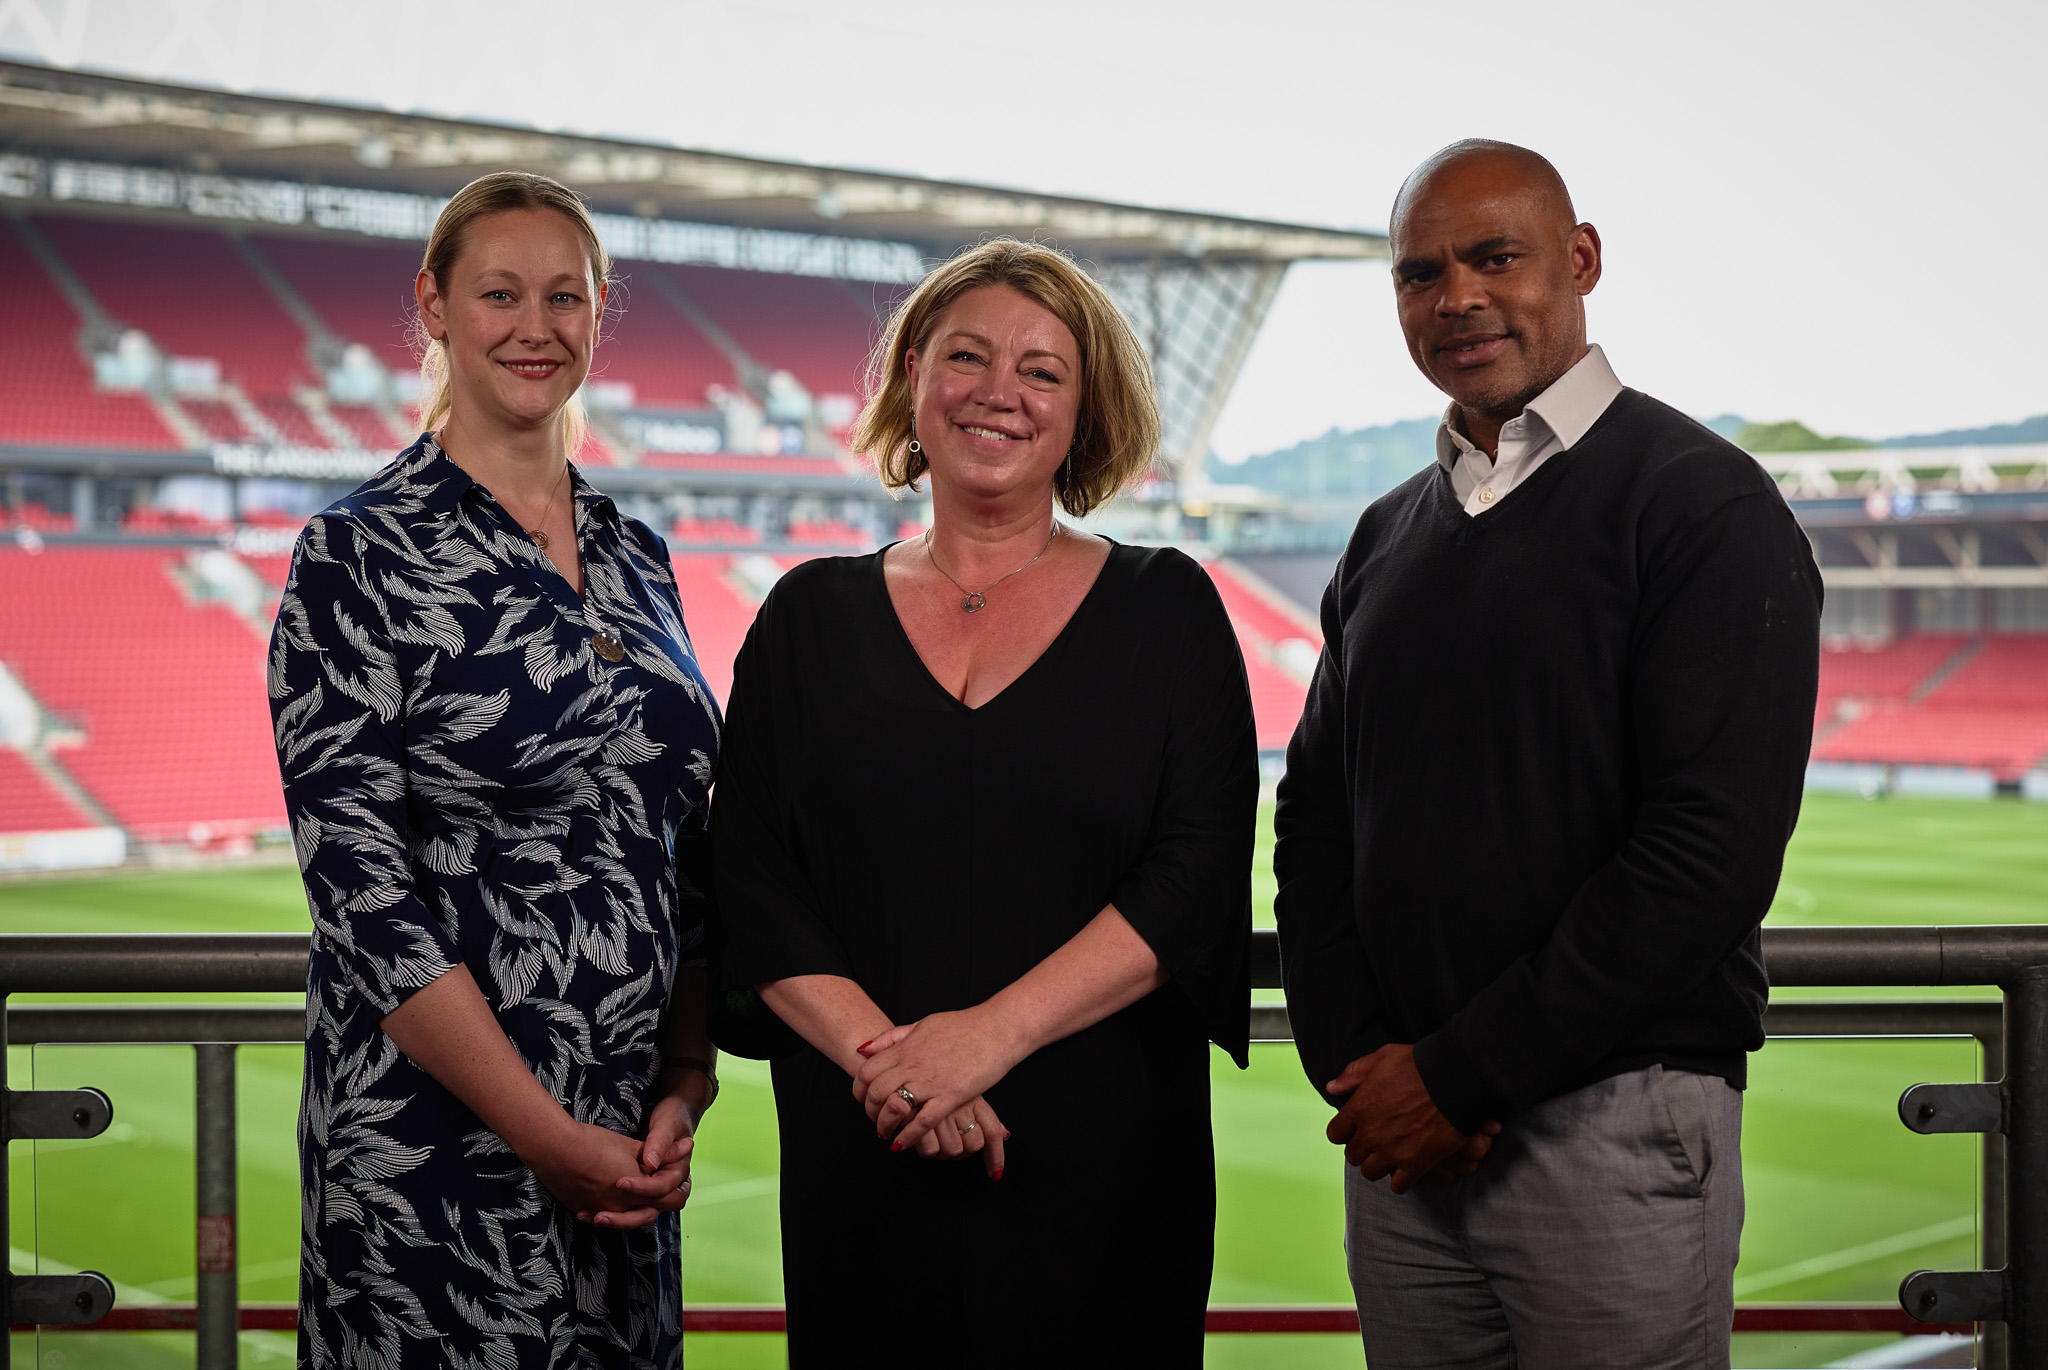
(362, 291)
(815, 329)
(649, 345)
(216, 420)
(2007, 673)
(2008, 743)
(1278, 692)
(1887, 673)
(192, 293)
(30, 803)
(169, 694)
(718, 532)
(1990, 714)
(47, 395)
(833, 533)
(716, 613)
(369, 427)
(35, 516)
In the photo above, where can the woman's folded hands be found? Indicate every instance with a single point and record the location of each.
(944, 1063)
(612, 1180)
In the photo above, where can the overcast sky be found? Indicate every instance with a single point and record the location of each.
(1820, 211)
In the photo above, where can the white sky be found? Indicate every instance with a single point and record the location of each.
(1779, 184)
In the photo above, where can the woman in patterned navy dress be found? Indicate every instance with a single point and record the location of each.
(496, 748)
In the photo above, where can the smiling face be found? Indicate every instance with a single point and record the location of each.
(518, 312)
(1489, 275)
(996, 390)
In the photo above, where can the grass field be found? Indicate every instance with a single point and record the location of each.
(1842, 1199)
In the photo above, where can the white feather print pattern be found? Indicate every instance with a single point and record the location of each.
(469, 784)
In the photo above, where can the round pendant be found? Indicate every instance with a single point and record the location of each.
(540, 538)
(972, 604)
(607, 646)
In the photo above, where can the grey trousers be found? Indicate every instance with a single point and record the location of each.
(1601, 1231)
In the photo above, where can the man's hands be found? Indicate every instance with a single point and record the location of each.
(1390, 1125)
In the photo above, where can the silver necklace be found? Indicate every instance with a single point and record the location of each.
(975, 599)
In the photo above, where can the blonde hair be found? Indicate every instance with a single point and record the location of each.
(1117, 432)
(494, 194)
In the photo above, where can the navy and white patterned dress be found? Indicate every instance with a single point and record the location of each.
(470, 782)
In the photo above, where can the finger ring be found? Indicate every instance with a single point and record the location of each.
(908, 1097)
(969, 1128)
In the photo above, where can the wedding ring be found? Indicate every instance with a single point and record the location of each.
(908, 1097)
(969, 1128)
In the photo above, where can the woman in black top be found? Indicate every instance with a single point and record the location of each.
(983, 828)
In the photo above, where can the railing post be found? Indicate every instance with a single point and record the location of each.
(2026, 1149)
(1993, 1338)
(219, 1300)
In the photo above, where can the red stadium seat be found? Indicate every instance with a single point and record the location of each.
(168, 693)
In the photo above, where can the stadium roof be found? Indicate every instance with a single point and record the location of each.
(51, 113)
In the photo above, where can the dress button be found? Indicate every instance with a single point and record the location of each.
(1486, 495)
(608, 646)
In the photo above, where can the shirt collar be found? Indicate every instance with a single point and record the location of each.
(441, 484)
(1571, 405)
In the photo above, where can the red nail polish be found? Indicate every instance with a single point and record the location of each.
(865, 1045)
(895, 1146)
(997, 1176)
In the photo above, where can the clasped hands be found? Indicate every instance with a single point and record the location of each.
(1390, 1126)
(945, 1061)
(611, 1180)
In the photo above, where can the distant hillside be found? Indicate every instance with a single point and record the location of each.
(1997, 435)
(1361, 465)
(1367, 462)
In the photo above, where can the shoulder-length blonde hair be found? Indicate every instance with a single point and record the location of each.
(1117, 432)
(493, 194)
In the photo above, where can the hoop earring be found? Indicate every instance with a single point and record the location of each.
(916, 448)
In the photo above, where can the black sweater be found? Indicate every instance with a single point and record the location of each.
(1539, 799)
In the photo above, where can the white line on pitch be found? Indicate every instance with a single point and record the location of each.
(1856, 1255)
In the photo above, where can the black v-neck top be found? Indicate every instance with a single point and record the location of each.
(869, 824)
(1539, 798)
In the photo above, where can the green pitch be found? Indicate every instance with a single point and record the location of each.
(1842, 1199)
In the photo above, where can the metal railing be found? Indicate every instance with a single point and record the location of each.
(2009, 1298)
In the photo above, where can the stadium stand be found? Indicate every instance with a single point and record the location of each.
(1276, 670)
(362, 291)
(168, 693)
(1891, 672)
(2006, 673)
(713, 532)
(815, 329)
(216, 420)
(649, 345)
(30, 803)
(38, 518)
(47, 394)
(191, 293)
(1940, 700)
(370, 428)
(717, 613)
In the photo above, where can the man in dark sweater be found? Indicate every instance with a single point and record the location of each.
(1533, 814)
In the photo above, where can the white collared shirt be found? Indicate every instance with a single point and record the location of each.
(1553, 421)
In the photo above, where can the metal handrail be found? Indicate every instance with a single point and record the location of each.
(2011, 1302)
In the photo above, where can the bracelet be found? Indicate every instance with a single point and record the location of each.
(701, 1067)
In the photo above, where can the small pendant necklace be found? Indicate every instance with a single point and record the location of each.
(539, 535)
(975, 600)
